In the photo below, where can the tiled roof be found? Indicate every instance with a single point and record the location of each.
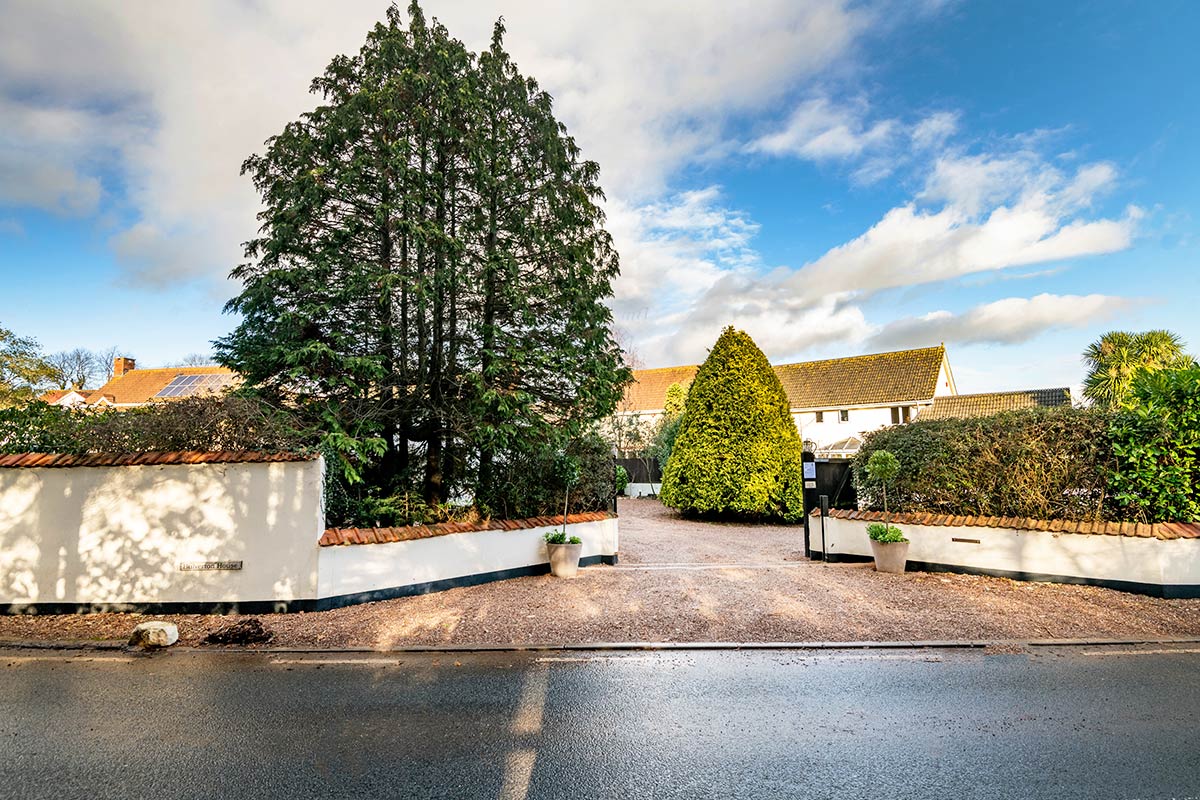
(986, 404)
(648, 391)
(54, 395)
(338, 536)
(57, 460)
(901, 377)
(140, 385)
(1145, 530)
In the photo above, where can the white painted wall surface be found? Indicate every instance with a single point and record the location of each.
(352, 569)
(117, 534)
(1100, 557)
(640, 490)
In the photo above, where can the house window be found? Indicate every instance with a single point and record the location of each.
(843, 415)
(820, 416)
(906, 413)
(895, 415)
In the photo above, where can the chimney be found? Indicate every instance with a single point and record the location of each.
(122, 365)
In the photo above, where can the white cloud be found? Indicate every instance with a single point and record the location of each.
(171, 98)
(992, 212)
(1009, 321)
(25, 181)
(933, 131)
(821, 130)
(996, 213)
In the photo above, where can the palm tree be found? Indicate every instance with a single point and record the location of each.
(1117, 357)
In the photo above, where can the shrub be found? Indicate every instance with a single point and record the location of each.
(664, 441)
(560, 537)
(1050, 463)
(881, 532)
(1156, 441)
(738, 451)
(622, 479)
(211, 423)
(533, 483)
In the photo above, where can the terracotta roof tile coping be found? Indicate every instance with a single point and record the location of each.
(340, 536)
(1145, 530)
(161, 458)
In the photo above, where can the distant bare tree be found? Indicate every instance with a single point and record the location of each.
(629, 353)
(104, 361)
(73, 369)
(195, 360)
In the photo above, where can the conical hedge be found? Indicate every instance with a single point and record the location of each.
(738, 450)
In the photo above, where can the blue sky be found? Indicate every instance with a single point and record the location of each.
(835, 177)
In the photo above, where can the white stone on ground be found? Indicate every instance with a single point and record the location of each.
(154, 634)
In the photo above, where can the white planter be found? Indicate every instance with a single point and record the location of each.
(564, 559)
(889, 556)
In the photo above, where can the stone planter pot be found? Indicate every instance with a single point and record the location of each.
(890, 556)
(564, 559)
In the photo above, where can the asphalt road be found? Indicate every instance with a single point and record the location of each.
(1085, 722)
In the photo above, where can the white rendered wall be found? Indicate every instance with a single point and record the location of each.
(830, 430)
(354, 569)
(108, 535)
(1174, 562)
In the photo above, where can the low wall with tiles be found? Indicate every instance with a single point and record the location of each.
(190, 532)
(1161, 559)
(365, 564)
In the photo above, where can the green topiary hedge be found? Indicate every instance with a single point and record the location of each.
(737, 450)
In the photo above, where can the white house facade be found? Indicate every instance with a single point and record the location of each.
(834, 402)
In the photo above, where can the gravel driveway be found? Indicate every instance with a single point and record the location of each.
(680, 581)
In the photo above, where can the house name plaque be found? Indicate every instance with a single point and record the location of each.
(197, 566)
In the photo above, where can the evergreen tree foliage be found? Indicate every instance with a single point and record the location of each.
(427, 287)
(737, 451)
(1156, 439)
(675, 401)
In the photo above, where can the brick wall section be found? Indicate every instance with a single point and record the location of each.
(1157, 530)
(339, 536)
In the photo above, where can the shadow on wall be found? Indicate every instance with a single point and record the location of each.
(109, 535)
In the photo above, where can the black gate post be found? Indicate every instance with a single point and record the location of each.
(824, 514)
(809, 466)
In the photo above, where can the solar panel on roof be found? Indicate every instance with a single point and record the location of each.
(191, 385)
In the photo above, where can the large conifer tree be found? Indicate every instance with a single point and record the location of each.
(737, 451)
(428, 280)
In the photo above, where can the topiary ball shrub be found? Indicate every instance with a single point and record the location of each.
(737, 452)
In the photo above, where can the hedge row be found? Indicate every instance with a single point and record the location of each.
(1140, 463)
(1042, 463)
(213, 423)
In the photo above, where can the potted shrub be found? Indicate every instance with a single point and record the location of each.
(564, 552)
(888, 544)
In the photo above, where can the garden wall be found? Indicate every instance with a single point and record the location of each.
(361, 565)
(232, 532)
(210, 529)
(1160, 559)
